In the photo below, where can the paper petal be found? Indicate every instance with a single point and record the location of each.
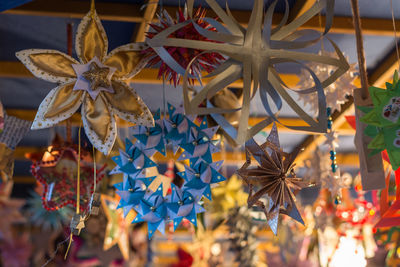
(49, 65)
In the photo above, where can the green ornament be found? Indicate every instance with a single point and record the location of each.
(384, 120)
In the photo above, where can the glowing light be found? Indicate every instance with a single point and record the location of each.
(216, 249)
(371, 212)
(345, 215)
(350, 252)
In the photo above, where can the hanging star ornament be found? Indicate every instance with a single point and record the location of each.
(117, 229)
(228, 195)
(273, 178)
(253, 54)
(336, 93)
(332, 140)
(57, 172)
(206, 61)
(152, 138)
(383, 120)
(319, 172)
(133, 162)
(96, 83)
(183, 205)
(177, 127)
(155, 198)
(199, 177)
(152, 209)
(199, 143)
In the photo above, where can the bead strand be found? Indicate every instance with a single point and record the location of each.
(332, 151)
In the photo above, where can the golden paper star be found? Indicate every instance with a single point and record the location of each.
(228, 195)
(117, 229)
(98, 108)
(97, 76)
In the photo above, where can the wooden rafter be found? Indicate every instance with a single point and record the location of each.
(77, 9)
(229, 157)
(29, 114)
(11, 69)
(300, 6)
(131, 13)
(148, 15)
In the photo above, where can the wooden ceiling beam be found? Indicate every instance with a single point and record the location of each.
(300, 6)
(131, 13)
(229, 157)
(15, 69)
(29, 114)
(78, 9)
(143, 27)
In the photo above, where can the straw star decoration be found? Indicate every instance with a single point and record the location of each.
(96, 83)
(117, 230)
(252, 53)
(274, 177)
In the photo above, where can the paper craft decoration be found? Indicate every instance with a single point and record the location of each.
(138, 190)
(96, 83)
(273, 178)
(182, 56)
(336, 93)
(47, 220)
(182, 204)
(383, 120)
(13, 132)
(57, 172)
(227, 99)
(319, 172)
(253, 54)
(228, 195)
(371, 167)
(117, 229)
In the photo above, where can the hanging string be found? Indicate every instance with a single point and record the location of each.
(53, 255)
(94, 171)
(92, 8)
(78, 189)
(78, 178)
(360, 49)
(69, 51)
(395, 33)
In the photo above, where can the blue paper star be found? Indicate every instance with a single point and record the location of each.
(177, 127)
(133, 162)
(199, 143)
(131, 192)
(199, 176)
(152, 209)
(198, 146)
(181, 205)
(151, 138)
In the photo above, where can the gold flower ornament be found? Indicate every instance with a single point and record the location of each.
(97, 84)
